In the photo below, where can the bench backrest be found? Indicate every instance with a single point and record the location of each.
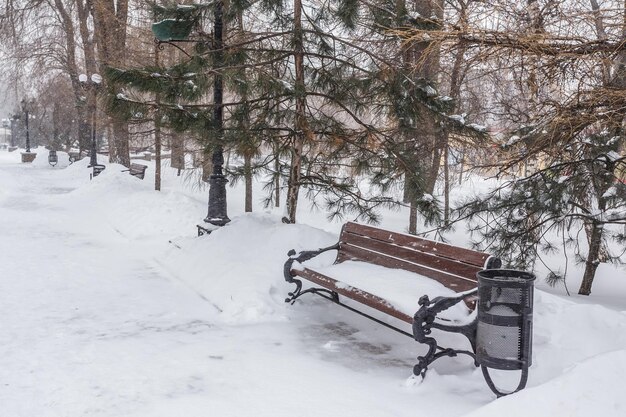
(137, 170)
(138, 167)
(453, 266)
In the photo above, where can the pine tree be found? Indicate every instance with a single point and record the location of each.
(423, 118)
(534, 215)
(565, 101)
(347, 115)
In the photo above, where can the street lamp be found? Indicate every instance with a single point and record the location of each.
(178, 30)
(27, 107)
(217, 213)
(92, 84)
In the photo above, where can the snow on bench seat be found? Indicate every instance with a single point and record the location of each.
(399, 288)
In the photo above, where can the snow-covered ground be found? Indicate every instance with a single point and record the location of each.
(110, 306)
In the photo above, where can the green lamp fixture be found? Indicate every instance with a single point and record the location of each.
(177, 28)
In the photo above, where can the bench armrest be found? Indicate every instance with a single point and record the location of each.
(424, 321)
(301, 257)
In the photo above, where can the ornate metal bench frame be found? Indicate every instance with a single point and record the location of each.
(423, 321)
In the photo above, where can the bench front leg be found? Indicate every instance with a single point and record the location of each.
(301, 257)
(424, 322)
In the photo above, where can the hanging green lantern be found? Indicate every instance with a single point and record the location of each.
(177, 24)
(172, 29)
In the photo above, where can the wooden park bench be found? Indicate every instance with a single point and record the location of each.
(452, 266)
(73, 156)
(97, 170)
(137, 170)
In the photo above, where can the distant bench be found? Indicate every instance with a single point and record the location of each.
(137, 170)
(97, 170)
(452, 266)
(73, 156)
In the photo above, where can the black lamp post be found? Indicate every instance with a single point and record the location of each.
(92, 84)
(27, 107)
(217, 213)
(178, 30)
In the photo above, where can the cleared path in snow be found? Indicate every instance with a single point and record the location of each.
(91, 327)
(87, 327)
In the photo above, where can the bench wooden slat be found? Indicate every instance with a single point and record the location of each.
(138, 167)
(411, 255)
(441, 249)
(353, 293)
(453, 282)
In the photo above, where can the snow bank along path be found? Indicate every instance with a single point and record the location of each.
(102, 315)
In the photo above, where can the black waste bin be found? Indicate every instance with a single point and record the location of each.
(505, 320)
(53, 159)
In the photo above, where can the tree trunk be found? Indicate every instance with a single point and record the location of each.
(277, 174)
(177, 146)
(207, 166)
(603, 253)
(411, 193)
(86, 38)
(446, 187)
(300, 122)
(592, 262)
(121, 142)
(421, 61)
(601, 32)
(462, 165)
(406, 199)
(247, 168)
(157, 132)
(110, 21)
(157, 154)
(424, 57)
(436, 154)
(413, 217)
(248, 149)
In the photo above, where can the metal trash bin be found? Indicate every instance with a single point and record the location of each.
(505, 319)
(53, 159)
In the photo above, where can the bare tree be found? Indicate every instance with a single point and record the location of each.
(110, 19)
